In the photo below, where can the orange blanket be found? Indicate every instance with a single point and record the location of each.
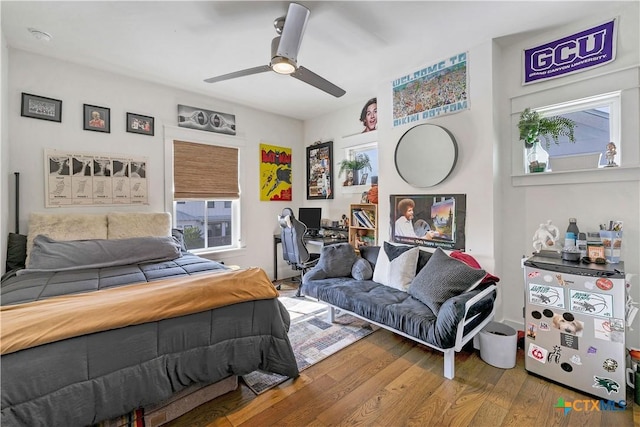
(41, 322)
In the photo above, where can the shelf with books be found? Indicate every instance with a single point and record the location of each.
(363, 229)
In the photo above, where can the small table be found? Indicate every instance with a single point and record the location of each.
(318, 240)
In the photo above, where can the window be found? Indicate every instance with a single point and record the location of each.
(206, 224)
(206, 195)
(597, 121)
(363, 177)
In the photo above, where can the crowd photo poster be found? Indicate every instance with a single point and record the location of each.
(435, 90)
(90, 179)
(275, 173)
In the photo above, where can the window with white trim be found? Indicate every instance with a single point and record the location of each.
(597, 121)
(206, 195)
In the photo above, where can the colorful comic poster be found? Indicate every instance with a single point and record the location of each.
(275, 173)
(546, 295)
(440, 88)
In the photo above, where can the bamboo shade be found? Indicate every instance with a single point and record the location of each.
(202, 171)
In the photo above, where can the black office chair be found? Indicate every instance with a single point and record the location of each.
(294, 250)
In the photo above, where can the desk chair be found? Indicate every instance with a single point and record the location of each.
(294, 250)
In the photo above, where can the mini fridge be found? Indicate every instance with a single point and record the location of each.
(575, 325)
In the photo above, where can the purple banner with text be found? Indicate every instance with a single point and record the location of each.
(577, 52)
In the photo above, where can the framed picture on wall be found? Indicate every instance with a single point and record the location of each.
(319, 171)
(431, 220)
(137, 123)
(39, 107)
(97, 119)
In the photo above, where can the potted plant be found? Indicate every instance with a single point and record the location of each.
(359, 162)
(532, 126)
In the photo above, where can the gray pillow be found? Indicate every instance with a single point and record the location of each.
(48, 254)
(362, 270)
(337, 260)
(442, 278)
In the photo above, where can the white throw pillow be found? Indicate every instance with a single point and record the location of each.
(397, 273)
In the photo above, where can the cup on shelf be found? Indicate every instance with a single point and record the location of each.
(612, 242)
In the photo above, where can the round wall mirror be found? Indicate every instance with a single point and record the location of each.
(426, 155)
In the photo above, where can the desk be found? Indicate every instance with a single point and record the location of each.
(319, 240)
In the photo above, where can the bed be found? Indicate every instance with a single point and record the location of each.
(97, 327)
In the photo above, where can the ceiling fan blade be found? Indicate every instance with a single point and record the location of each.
(294, 25)
(247, 72)
(315, 80)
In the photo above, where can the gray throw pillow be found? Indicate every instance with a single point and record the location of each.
(442, 278)
(337, 260)
(362, 270)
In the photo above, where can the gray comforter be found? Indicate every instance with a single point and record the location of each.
(83, 380)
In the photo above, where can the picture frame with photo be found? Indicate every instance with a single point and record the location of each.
(40, 107)
(143, 125)
(319, 172)
(97, 119)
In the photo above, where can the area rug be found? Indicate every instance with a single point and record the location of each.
(312, 337)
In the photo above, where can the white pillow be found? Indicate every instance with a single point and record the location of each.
(397, 273)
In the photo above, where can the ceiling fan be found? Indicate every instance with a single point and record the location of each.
(284, 53)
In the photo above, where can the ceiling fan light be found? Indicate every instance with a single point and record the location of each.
(282, 65)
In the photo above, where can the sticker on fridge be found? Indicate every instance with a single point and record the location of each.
(591, 303)
(546, 295)
(609, 329)
(538, 353)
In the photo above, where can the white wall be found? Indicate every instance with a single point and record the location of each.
(76, 85)
(4, 149)
(473, 175)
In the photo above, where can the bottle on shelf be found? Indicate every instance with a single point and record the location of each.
(572, 234)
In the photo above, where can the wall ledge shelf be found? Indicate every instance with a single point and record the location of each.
(583, 176)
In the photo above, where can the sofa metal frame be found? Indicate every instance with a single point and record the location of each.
(461, 338)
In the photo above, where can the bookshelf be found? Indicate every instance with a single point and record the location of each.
(363, 225)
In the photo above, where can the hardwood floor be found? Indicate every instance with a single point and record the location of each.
(387, 380)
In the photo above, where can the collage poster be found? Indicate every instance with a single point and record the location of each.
(90, 179)
(275, 173)
(429, 220)
(438, 89)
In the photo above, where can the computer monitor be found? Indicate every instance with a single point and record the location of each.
(311, 217)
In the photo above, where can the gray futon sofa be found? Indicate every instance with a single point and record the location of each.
(431, 298)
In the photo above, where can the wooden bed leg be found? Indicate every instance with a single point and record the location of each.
(331, 314)
(449, 361)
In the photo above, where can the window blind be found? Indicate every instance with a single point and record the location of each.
(202, 171)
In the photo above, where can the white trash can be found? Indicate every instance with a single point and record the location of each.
(498, 345)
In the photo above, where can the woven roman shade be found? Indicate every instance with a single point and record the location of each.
(202, 171)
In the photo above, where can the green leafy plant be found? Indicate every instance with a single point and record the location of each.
(532, 126)
(359, 162)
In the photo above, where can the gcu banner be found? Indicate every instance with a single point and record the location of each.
(577, 52)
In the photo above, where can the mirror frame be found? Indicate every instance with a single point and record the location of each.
(416, 137)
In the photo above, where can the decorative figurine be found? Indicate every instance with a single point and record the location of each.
(610, 155)
(545, 237)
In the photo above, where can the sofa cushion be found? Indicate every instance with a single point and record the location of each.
(362, 269)
(472, 262)
(442, 278)
(396, 266)
(399, 310)
(370, 253)
(337, 260)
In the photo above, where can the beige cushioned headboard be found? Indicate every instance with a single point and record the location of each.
(123, 225)
(115, 225)
(66, 227)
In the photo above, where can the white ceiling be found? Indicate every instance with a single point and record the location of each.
(357, 45)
